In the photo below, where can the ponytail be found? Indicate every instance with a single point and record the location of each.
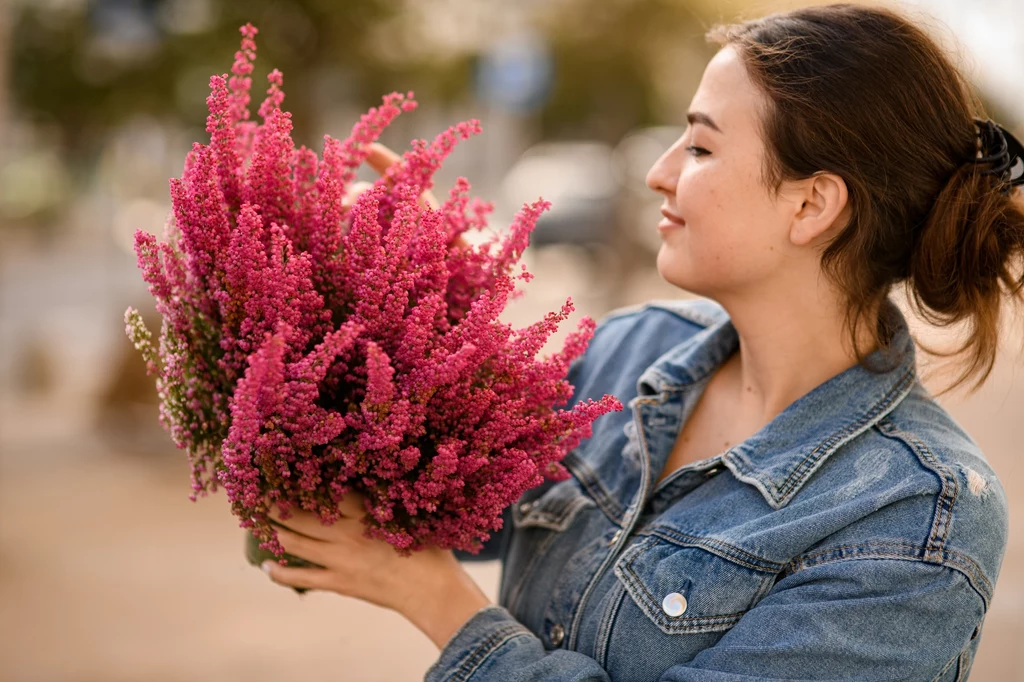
(964, 260)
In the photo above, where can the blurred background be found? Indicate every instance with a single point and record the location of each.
(107, 571)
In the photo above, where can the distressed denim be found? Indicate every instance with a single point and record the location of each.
(858, 536)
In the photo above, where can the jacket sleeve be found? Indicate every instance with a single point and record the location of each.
(493, 646)
(852, 619)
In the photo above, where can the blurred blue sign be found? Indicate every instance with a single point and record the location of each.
(515, 74)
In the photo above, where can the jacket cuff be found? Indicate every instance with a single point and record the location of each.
(484, 633)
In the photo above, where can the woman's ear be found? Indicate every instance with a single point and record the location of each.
(823, 204)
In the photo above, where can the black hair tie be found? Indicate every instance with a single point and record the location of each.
(1003, 151)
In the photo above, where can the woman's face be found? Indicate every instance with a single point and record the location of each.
(735, 236)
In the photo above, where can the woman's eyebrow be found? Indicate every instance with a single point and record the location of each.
(694, 117)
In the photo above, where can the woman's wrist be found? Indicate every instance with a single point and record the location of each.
(440, 610)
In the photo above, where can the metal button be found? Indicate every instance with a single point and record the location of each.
(711, 472)
(525, 507)
(674, 604)
(557, 634)
(615, 537)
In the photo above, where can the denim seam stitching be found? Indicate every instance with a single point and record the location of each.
(589, 481)
(792, 480)
(486, 648)
(604, 630)
(559, 518)
(802, 561)
(717, 547)
(951, 559)
(944, 505)
(798, 474)
(514, 592)
(517, 587)
(609, 559)
(947, 666)
(961, 661)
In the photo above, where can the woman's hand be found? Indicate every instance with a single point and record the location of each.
(430, 587)
(355, 566)
(380, 159)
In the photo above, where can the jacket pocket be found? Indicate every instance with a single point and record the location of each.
(539, 519)
(688, 589)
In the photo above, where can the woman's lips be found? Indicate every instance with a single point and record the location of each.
(671, 220)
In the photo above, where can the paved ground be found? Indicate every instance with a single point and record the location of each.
(108, 572)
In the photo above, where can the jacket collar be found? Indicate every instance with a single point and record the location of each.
(780, 457)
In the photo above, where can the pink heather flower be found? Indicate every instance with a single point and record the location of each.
(309, 349)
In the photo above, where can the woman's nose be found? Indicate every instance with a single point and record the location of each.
(658, 177)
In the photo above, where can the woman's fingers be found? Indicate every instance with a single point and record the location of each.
(303, 523)
(353, 192)
(381, 158)
(303, 546)
(352, 505)
(307, 578)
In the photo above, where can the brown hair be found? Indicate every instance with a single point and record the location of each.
(861, 92)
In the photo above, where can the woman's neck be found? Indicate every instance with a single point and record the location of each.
(784, 353)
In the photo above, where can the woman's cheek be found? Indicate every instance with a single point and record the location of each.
(695, 188)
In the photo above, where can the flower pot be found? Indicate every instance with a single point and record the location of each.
(256, 556)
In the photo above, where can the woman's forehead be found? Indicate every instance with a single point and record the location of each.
(727, 94)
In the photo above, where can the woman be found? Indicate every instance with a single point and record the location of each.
(783, 499)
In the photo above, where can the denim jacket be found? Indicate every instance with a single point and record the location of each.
(857, 536)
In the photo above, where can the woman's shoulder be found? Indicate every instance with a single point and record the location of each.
(931, 485)
(658, 324)
(702, 312)
(627, 340)
(923, 429)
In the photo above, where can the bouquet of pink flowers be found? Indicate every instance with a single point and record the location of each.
(311, 348)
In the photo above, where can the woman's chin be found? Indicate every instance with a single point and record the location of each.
(669, 268)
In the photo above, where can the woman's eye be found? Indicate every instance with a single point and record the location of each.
(698, 151)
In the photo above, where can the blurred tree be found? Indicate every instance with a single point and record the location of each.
(88, 66)
(621, 64)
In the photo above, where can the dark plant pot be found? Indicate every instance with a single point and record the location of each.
(257, 556)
